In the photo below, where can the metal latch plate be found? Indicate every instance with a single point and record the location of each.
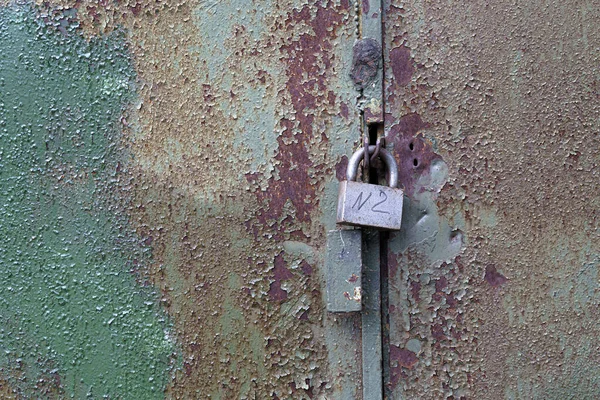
(344, 270)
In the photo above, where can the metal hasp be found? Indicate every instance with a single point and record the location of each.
(364, 204)
(344, 270)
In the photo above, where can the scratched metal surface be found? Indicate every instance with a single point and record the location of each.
(169, 175)
(493, 111)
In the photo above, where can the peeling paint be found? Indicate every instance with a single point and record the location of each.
(77, 319)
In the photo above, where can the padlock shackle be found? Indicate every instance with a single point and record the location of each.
(386, 156)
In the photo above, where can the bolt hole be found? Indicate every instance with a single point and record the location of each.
(411, 146)
(415, 162)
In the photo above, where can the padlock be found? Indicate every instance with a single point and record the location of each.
(365, 204)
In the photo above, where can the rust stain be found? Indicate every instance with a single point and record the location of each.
(341, 167)
(356, 295)
(306, 268)
(365, 6)
(366, 61)
(400, 359)
(413, 153)
(6, 391)
(344, 110)
(308, 60)
(404, 358)
(372, 112)
(415, 288)
(402, 65)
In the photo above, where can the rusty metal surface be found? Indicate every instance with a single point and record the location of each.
(184, 155)
(492, 110)
(238, 115)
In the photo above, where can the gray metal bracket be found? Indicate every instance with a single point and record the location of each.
(344, 270)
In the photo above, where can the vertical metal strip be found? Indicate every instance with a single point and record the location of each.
(371, 318)
(384, 238)
(371, 28)
(372, 112)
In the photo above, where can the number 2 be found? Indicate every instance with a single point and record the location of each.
(381, 193)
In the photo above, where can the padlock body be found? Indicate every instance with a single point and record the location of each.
(363, 204)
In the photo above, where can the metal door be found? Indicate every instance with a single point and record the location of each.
(168, 178)
(492, 111)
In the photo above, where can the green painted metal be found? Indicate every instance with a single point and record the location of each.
(73, 320)
(372, 340)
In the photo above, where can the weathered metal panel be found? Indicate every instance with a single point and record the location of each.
(492, 110)
(76, 318)
(167, 174)
(185, 148)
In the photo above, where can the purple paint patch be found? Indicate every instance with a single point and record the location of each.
(280, 273)
(402, 65)
(366, 6)
(493, 277)
(413, 153)
(306, 268)
(402, 358)
(344, 110)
